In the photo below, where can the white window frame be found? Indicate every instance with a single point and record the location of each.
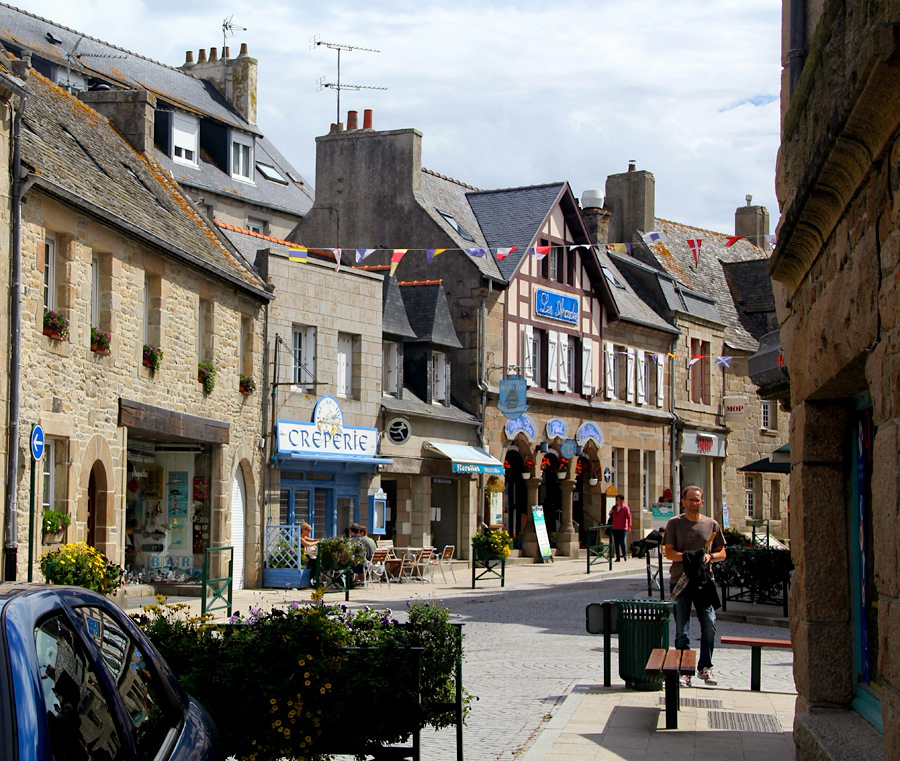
(750, 496)
(242, 141)
(629, 375)
(438, 377)
(587, 367)
(552, 268)
(609, 369)
(552, 359)
(660, 378)
(390, 370)
(565, 381)
(344, 370)
(49, 475)
(641, 368)
(529, 370)
(49, 273)
(303, 362)
(95, 291)
(255, 225)
(185, 139)
(767, 414)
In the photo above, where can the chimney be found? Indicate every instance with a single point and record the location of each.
(367, 119)
(596, 218)
(226, 53)
(352, 121)
(235, 78)
(189, 58)
(631, 199)
(131, 112)
(752, 222)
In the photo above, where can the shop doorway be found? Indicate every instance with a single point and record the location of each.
(238, 520)
(308, 504)
(444, 518)
(92, 510)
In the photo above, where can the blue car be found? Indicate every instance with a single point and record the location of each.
(78, 680)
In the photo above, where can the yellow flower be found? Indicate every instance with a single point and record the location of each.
(272, 701)
(322, 690)
(307, 682)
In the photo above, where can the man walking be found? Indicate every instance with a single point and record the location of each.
(620, 518)
(693, 541)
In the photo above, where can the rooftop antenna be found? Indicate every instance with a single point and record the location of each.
(73, 54)
(321, 84)
(228, 27)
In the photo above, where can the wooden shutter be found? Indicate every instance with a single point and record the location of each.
(629, 376)
(660, 374)
(587, 367)
(609, 378)
(528, 354)
(552, 359)
(641, 377)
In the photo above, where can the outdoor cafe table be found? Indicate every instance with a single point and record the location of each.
(392, 564)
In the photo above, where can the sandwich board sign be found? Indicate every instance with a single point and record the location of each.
(540, 528)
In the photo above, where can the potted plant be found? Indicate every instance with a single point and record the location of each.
(246, 384)
(206, 374)
(100, 341)
(494, 544)
(81, 566)
(562, 469)
(53, 526)
(338, 552)
(153, 357)
(529, 466)
(56, 325)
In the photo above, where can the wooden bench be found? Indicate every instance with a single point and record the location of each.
(756, 644)
(672, 664)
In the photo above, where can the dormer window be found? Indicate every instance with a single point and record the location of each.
(241, 157)
(185, 136)
(451, 220)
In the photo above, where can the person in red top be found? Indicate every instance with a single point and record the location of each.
(620, 518)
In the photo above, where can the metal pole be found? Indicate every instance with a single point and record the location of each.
(31, 526)
(607, 644)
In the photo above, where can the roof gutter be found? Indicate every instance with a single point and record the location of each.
(10, 539)
(123, 225)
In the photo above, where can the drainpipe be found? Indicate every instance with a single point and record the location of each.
(482, 384)
(797, 42)
(10, 540)
(674, 425)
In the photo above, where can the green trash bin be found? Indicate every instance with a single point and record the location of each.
(643, 626)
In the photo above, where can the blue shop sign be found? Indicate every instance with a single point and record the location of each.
(589, 432)
(326, 435)
(521, 425)
(555, 306)
(568, 449)
(556, 428)
(512, 402)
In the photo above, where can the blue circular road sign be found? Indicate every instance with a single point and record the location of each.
(37, 442)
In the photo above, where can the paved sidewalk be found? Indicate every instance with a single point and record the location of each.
(594, 723)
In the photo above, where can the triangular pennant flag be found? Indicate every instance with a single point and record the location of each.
(539, 252)
(657, 236)
(433, 252)
(656, 358)
(502, 253)
(619, 248)
(362, 253)
(671, 356)
(694, 243)
(476, 253)
(694, 360)
(724, 361)
(337, 259)
(396, 257)
(301, 250)
(732, 239)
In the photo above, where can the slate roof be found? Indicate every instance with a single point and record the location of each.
(248, 243)
(675, 257)
(751, 288)
(512, 217)
(394, 320)
(429, 314)
(440, 192)
(95, 58)
(76, 155)
(632, 308)
(411, 405)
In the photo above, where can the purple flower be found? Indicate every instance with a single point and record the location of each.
(295, 605)
(235, 619)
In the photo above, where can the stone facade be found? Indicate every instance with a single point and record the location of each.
(837, 275)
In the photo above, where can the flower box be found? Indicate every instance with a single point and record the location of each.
(592, 481)
(561, 475)
(53, 538)
(56, 325)
(100, 341)
(246, 384)
(152, 357)
(526, 475)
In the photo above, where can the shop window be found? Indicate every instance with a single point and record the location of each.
(346, 512)
(304, 357)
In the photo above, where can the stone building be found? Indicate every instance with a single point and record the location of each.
(721, 305)
(152, 466)
(205, 136)
(837, 277)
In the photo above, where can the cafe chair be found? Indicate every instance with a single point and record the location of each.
(444, 560)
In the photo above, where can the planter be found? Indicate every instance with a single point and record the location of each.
(147, 363)
(561, 476)
(97, 350)
(245, 391)
(54, 336)
(53, 538)
(286, 578)
(593, 481)
(526, 476)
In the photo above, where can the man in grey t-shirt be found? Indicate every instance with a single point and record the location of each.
(689, 532)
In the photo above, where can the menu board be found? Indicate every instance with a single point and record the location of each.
(540, 528)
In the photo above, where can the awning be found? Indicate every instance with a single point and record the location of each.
(766, 466)
(326, 462)
(467, 459)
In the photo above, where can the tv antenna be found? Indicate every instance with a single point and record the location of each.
(73, 54)
(321, 84)
(228, 27)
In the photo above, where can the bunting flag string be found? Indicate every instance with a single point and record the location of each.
(656, 236)
(362, 253)
(337, 259)
(398, 254)
(732, 239)
(433, 252)
(301, 251)
(724, 361)
(620, 248)
(694, 243)
(502, 253)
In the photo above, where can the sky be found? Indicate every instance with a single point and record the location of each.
(506, 92)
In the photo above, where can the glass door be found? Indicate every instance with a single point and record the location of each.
(307, 504)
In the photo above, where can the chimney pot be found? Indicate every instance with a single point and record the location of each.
(632, 165)
(226, 53)
(213, 54)
(367, 119)
(201, 56)
(243, 49)
(749, 199)
(352, 121)
(189, 57)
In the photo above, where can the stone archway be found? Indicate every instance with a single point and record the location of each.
(96, 522)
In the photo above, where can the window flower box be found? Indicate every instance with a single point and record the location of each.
(206, 374)
(56, 325)
(246, 385)
(153, 357)
(100, 341)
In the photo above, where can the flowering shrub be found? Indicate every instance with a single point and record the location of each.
(206, 374)
(153, 357)
(492, 544)
(546, 462)
(81, 566)
(246, 384)
(340, 552)
(563, 465)
(100, 339)
(528, 464)
(301, 689)
(56, 323)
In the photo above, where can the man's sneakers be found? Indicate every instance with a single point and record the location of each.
(686, 679)
(707, 676)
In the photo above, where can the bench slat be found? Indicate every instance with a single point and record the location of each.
(655, 662)
(689, 662)
(758, 642)
(673, 662)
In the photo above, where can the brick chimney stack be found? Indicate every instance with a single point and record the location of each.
(752, 222)
(631, 199)
(235, 78)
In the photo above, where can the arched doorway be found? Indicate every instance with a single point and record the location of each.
(551, 493)
(516, 475)
(92, 509)
(238, 520)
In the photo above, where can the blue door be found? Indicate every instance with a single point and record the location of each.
(308, 504)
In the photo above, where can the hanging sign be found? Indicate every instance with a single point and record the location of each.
(556, 428)
(523, 425)
(568, 449)
(702, 443)
(589, 432)
(555, 306)
(540, 528)
(512, 402)
(735, 407)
